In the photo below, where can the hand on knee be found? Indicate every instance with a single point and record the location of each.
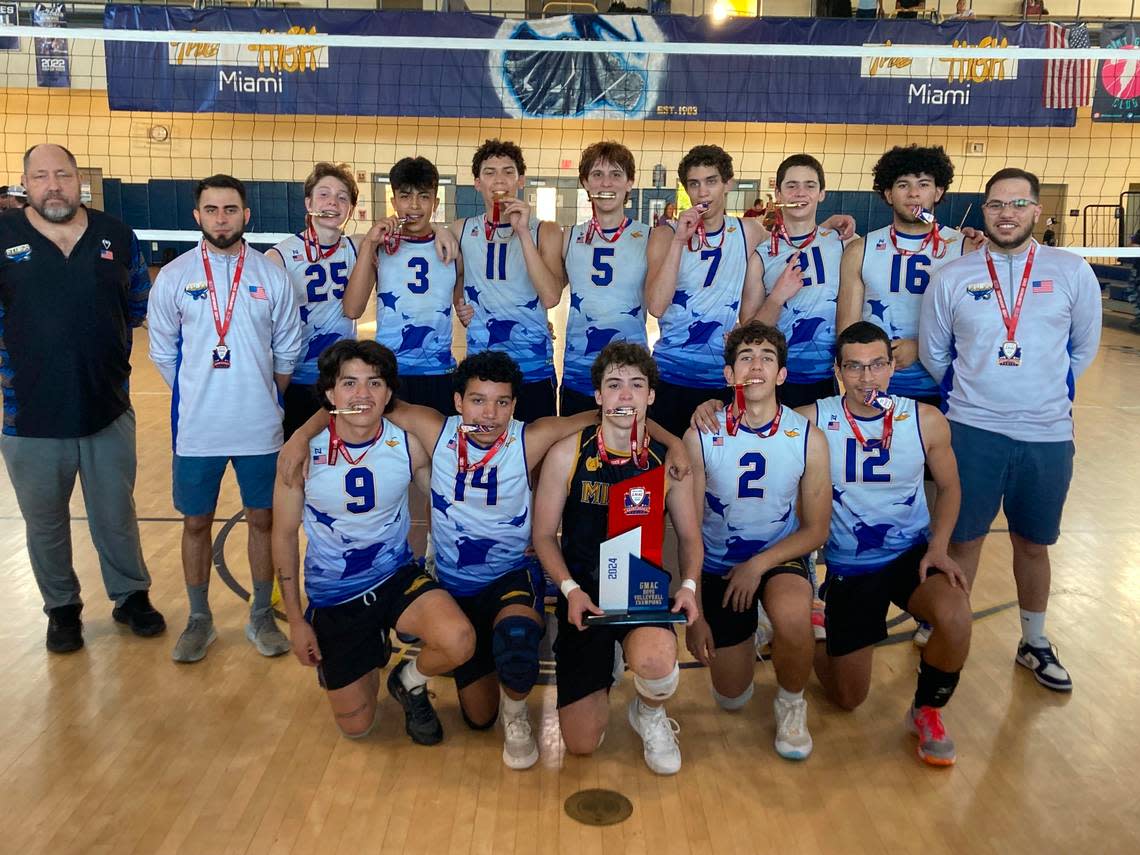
(514, 644)
(660, 688)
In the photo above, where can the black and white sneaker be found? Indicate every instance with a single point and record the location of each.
(1045, 665)
(420, 720)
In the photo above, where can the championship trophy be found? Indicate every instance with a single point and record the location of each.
(633, 589)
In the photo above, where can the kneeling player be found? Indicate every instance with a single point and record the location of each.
(359, 575)
(884, 547)
(762, 490)
(577, 476)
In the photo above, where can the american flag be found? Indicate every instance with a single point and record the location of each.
(1042, 286)
(718, 440)
(319, 456)
(1068, 82)
(258, 292)
(833, 424)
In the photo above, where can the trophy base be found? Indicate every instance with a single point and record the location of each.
(636, 618)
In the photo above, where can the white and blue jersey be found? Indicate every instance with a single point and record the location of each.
(607, 287)
(356, 517)
(705, 308)
(480, 520)
(509, 316)
(752, 486)
(808, 319)
(414, 291)
(893, 288)
(319, 286)
(878, 501)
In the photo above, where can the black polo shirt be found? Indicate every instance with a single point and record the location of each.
(65, 326)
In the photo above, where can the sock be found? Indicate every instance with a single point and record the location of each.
(199, 599)
(935, 687)
(411, 677)
(784, 695)
(262, 597)
(510, 707)
(1033, 628)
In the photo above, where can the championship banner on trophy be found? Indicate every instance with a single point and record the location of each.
(632, 587)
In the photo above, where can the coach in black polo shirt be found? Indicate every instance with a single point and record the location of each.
(72, 284)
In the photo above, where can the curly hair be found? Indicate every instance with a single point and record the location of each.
(339, 171)
(706, 155)
(913, 160)
(755, 332)
(497, 148)
(620, 354)
(492, 366)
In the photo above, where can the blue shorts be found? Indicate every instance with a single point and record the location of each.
(1028, 480)
(197, 481)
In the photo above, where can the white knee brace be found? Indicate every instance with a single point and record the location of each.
(660, 689)
(736, 703)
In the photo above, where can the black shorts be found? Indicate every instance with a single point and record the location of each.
(353, 636)
(584, 658)
(729, 627)
(673, 405)
(301, 401)
(520, 587)
(536, 401)
(571, 403)
(429, 390)
(801, 394)
(856, 606)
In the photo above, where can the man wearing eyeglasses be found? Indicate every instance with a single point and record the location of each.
(1007, 331)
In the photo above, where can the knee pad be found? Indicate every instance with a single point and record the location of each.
(514, 645)
(732, 704)
(660, 689)
(364, 733)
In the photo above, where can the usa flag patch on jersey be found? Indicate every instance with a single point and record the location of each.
(1043, 286)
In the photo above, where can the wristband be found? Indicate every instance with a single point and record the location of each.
(568, 587)
(690, 584)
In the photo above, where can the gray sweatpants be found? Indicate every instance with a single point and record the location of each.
(43, 473)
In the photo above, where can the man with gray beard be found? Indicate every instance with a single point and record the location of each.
(73, 283)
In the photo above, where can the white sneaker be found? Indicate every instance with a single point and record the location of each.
(263, 633)
(793, 742)
(921, 633)
(520, 751)
(764, 632)
(659, 733)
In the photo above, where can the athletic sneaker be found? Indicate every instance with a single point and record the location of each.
(818, 621)
(764, 632)
(420, 721)
(659, 734)
(934, 746)
(65, 629)
(263, 634)
(198, 635)
(137, 613)
(1045, 665)
(793, 742)
(921, 633)
(520, 750)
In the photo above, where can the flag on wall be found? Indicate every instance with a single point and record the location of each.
(1068, 82)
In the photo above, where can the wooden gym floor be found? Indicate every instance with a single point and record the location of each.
(115, 749)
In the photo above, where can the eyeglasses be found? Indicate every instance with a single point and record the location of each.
(876, 367)
(996, 206)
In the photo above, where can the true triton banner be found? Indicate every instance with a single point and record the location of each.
(264, 77)
(1117, 94)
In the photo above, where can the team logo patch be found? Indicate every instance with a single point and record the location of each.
(637, 502)
(593, 464)
(320, 456)
(901, 417)
(106, 254)
(980, 290)
(391, 443)
(417, 583)
(731, 229)
(196, 290)
(792, 433)
(635, 234)
(19, 253)
(510, 595)
(1043, 286)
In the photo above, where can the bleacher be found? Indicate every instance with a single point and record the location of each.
(1120, 288)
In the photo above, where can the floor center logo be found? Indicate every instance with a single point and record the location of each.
(582, 85)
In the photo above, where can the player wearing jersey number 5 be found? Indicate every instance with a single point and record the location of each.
(1008, 331)
(360, 579)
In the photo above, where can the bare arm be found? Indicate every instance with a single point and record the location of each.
(663, 255)
(944, 468)
(690, 548)
(288, 505)
(788, 284)
(543, 433)
(423, 423)
(542, 260)
(421, 464)
(852, 292)
(752, 298)
(362, 280)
